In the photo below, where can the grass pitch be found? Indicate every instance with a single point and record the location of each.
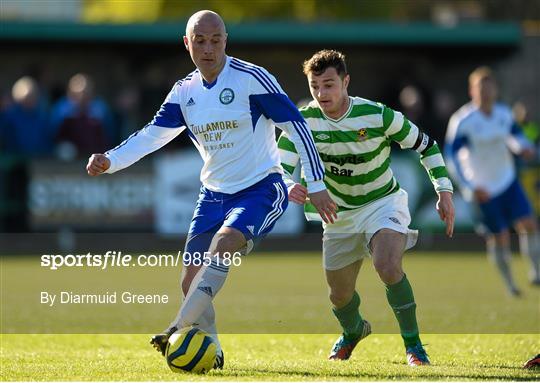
(271, 299)
(267, 357)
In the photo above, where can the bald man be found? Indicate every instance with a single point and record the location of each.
(229, 108)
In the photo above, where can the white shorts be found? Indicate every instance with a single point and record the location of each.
(347, 240)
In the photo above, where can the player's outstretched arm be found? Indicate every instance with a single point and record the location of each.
(139, 144)
(165, 126)
(97, 164)
(445, 208)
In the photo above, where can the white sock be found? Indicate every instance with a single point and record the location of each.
(175, 321)
(500, 255)
(529, 245)
(207, 322)
(206, 284)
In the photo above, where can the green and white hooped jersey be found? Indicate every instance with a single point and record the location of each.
(355, 151)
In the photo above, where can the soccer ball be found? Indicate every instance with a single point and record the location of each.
(191, 350)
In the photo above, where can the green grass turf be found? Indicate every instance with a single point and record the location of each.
(272, 293)
(267, 357)
(270, 299)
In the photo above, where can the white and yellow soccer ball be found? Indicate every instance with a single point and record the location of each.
(191, 350)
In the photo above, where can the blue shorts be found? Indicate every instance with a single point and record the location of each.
(253, 211)
(500, 213)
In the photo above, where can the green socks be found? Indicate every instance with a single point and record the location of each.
(401, 299)
(349, 318)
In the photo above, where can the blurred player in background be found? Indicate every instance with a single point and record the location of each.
(481, 140)
(229, 108)
(353, 137)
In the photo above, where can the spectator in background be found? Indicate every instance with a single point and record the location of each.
(24, 134)
(416, 103)
(412, 102)
(82, 122)
(481, 140)
(24, 127)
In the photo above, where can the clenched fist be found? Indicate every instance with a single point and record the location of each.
(97, 164)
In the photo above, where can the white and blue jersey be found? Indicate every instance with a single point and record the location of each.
(231, 122)
(480, 150)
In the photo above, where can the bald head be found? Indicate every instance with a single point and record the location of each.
(205, 20)
(206, 40)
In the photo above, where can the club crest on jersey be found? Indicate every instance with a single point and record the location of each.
(322, 136)
(226, 96)
(362, 135)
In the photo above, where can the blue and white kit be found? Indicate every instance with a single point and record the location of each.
(479, 151)
(253, 211)
(231, 122)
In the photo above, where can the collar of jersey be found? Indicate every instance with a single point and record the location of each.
(481, 112)
(210, 85)
(345, 115)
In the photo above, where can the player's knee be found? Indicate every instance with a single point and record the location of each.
(385, 262)
(388, 268)
(502, 238)
(228, 241)
(526, 226)
(222, 242)
(383, 267)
